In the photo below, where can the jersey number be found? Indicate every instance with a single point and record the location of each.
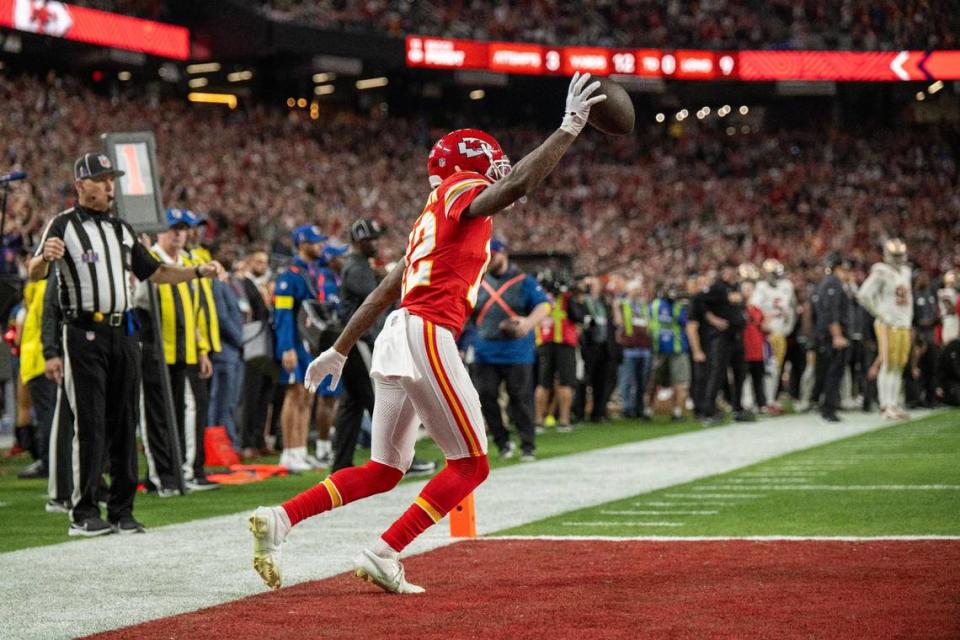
(901, 296)
(423, 240)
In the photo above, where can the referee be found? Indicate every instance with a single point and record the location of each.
(101, 365)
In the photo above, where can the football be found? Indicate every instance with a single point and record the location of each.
(614, 116)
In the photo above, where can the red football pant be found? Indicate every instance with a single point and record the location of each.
(344, 486)
(445, 491)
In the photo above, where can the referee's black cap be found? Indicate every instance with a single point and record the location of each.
(94, 165)
(365, 230)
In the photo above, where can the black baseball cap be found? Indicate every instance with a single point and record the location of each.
(365, 230)
(94, 165)
(836, 259)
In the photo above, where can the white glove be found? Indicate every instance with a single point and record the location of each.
(327, 364)
(579, 103)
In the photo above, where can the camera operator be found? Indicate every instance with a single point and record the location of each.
(557, 353)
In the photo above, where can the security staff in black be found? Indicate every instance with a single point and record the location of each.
(101, 358)
(723, 307)
(358, 281)
(831, 311)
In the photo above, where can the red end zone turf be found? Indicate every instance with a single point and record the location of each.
(624, 589)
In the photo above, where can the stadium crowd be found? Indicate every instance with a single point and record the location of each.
(712, 24)
(662, 229)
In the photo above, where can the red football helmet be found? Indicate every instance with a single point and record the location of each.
(466, 150)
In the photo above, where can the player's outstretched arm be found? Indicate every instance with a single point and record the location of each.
(386, 293)
(537, 165)
(330, 362)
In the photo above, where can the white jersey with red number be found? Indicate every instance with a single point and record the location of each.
(778, 302)
(949, 308)
(887, 295)
(447, 255)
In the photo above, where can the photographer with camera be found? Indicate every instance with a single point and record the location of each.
(557, 353)
(295, 286)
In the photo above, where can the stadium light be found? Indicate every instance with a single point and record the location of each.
(228, 99)
(323, 90)
(731, 131)
(744, 110)
(239, 76)
(203, 67)
(291, 102)
(921, 96)
(123, 76)
(372, 83)
(706, 111)
(477, 94)
(936, 86)
(660, 117)
(701, 115)
(320, 78)
(302, 103)
(744, 129)
(197, 83)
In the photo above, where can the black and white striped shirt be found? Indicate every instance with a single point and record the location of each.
(100, 249)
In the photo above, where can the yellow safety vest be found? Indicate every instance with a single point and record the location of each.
(182, 342)
(31, 345)
(209, 321)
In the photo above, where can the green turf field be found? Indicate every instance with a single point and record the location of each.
(24, 523)
(902, 480)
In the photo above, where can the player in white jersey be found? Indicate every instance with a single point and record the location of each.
(775, 297)
(947, 300)
(887, 295)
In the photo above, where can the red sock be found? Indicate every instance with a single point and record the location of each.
(343, 486)
(442, 493)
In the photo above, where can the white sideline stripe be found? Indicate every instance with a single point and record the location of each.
(185, 567)
(707, 496)
(630, 512)
(728, 538)
(608, 523)
(843, 487)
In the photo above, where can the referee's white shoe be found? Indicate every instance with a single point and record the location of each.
(386, 573)
(269, 526)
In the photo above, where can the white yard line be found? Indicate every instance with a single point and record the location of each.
(82, 587)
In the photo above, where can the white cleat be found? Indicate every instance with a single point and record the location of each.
(383, 572)
(890, 414)
(269, 527)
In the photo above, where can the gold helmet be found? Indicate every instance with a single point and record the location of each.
(773, 268)
(950, 279)
(748, 271)
(895, 252)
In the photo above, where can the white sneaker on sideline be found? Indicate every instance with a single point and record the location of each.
(386, 573)
(314, 463)
(293, 462)
(269, 527)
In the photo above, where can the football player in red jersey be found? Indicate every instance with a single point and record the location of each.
(418, 375)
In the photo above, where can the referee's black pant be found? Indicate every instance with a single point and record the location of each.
(101, 383)
(357, 397)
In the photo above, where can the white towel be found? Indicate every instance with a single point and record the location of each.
(391, 351)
